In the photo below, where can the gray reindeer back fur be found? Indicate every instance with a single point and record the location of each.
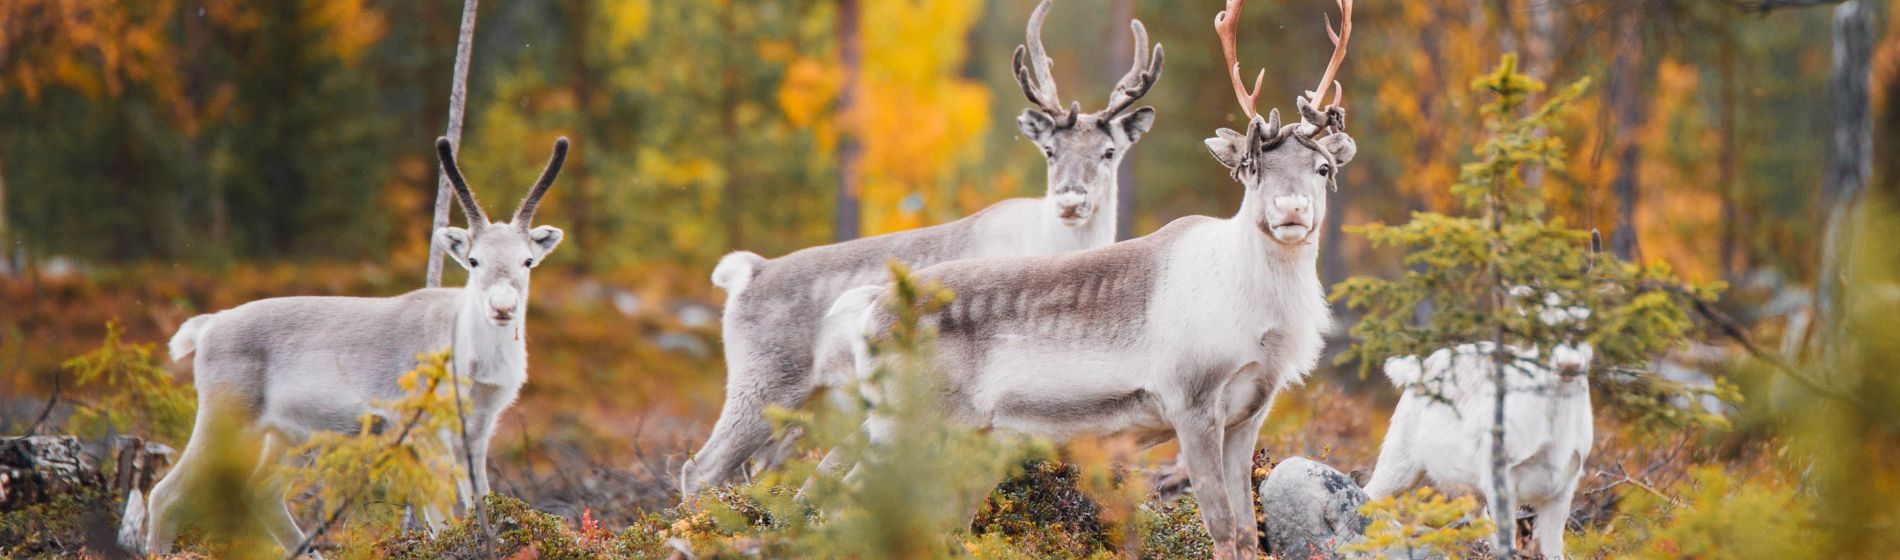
(365, 342)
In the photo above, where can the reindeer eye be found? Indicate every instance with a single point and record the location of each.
(1109, 154)
(472, 263)
(1325, 170)
(528, 263)
(1048, 153)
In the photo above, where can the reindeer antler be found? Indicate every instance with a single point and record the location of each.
(1224, 23)
(525, 213)
(1042, 89)
(470, 209)
(1340, 38)
(1141, 75)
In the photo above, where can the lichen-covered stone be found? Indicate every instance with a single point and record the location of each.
(1311, 510)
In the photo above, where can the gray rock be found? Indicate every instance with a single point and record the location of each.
(1311, 510)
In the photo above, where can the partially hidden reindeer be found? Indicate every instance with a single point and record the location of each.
(1441, 430)
(774, 307)
(1187, 333)
(284, 368)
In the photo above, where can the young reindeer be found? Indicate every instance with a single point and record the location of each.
(287, 367)
(774, 308)
(1187, 333)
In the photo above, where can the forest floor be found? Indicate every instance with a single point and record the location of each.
(626, 380)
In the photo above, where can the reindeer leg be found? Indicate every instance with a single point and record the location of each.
(1396, 471)
(1551, 517)
(742, 430)
(275, 511)
(1237, 451)
(1200, 435)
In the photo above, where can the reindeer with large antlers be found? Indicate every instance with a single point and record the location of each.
(774, 307)
(287, 367)
(1187, 333)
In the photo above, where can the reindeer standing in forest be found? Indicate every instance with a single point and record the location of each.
(774, 307)
(284, 368)
(1187, 333)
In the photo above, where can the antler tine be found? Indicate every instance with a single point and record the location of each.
(470, 209)
(1042, 89)
(1224, 24)
(525, 214)
(1141, 75)
(1340, 39)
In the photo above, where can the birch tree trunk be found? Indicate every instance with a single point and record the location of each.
(845, 222)
(458, 98)
(1850, 155)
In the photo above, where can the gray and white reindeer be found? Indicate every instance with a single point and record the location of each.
(1186, 333)
(284, 368)
(774, 307)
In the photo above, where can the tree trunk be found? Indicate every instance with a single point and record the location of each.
(1539, 62)
(586, 214)
(1119, 57)
(458, 97)
(845, 222)
(1626, 102)
(6, 242)
(731, 202)
(1734, 263)
(1850, 155)
(1503, 509)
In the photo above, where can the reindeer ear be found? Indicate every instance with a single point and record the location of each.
(543, 240)
(1135, 124)
(1340, 146)
(1227, 146)
(454, 242)
(1036, 125)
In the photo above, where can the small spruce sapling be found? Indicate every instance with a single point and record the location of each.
(1464, 271)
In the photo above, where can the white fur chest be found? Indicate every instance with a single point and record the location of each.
(489, 354)
(1229, 292)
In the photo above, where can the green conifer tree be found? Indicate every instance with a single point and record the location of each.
(1466, 273)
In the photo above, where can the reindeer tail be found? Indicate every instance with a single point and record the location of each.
(186, 340)
(735, 271)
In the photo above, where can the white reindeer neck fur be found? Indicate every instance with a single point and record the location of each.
(486, 353)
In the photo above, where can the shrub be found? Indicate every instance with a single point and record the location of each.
(138, 395)
(1422, 521)
(365, 480)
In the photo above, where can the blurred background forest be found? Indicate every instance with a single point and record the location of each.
(164, 158)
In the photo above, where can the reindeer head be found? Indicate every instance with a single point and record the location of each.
(1083, 150)
(1286, 169)
(499, 255)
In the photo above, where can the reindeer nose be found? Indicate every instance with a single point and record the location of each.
(1294, 203)
(503, 300)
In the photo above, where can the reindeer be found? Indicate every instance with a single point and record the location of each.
(1441, 430)
(1187, 333)
(287, 367)
(773, 308)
